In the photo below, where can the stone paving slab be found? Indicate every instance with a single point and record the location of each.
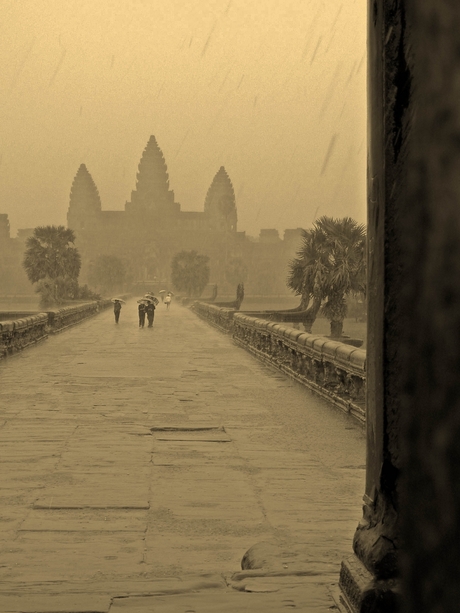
(138, 466)
(270, 597)
(41, 556)
(84, 520)
(68, 603)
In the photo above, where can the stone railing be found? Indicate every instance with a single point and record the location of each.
(220, 317)
(13, 315)
(68, 316)
(18, 333)
(332, 369)
(336, 371)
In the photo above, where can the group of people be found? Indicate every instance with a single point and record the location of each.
(145, 309)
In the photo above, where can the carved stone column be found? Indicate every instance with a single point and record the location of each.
(369, 579)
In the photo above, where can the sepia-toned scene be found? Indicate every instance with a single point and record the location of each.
(229, 306)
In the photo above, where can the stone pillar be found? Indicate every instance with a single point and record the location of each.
(369, 579)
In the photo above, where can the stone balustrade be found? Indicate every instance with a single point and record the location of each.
(334, 370)
(20, 332)
(60, 319)
(220, 317)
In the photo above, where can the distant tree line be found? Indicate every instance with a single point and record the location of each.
(330, 266)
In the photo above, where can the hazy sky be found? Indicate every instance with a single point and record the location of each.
(274, 90)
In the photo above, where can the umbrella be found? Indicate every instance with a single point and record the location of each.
(162, 291)
(118, 300)
(142, 300)
(152, 298)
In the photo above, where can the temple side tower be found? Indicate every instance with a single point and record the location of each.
(219, 204)
(85, 202)
(152, 191)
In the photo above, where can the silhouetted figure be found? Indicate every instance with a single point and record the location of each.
(150, 313)
(239, 295)
(141, 309)
(116, 310)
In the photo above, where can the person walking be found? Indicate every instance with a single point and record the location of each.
(150, 313)
(141, 309)
(116, 310)
(167, 301)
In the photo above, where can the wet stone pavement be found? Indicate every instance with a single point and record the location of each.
(138, 466)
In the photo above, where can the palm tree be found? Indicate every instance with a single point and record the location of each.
(329, 266)
(52, 256)
(345, 267)
(306, 273)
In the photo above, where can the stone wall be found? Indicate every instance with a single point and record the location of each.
(20, 332)
(333, 370)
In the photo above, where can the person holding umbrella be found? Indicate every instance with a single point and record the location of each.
(142, 309)
(150, 310)
(117, 308)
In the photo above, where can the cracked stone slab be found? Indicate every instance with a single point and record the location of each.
(208, 436)
(108, 495)
(312, 598)
(66, 603)
(85, 520)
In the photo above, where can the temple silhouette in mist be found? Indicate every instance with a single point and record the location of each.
(152, 228)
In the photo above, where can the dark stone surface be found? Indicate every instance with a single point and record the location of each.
(431, 401)
(410, 525)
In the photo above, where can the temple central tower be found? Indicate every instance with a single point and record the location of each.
(152, 191)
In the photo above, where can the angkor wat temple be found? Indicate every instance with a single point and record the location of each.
(152, 229)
